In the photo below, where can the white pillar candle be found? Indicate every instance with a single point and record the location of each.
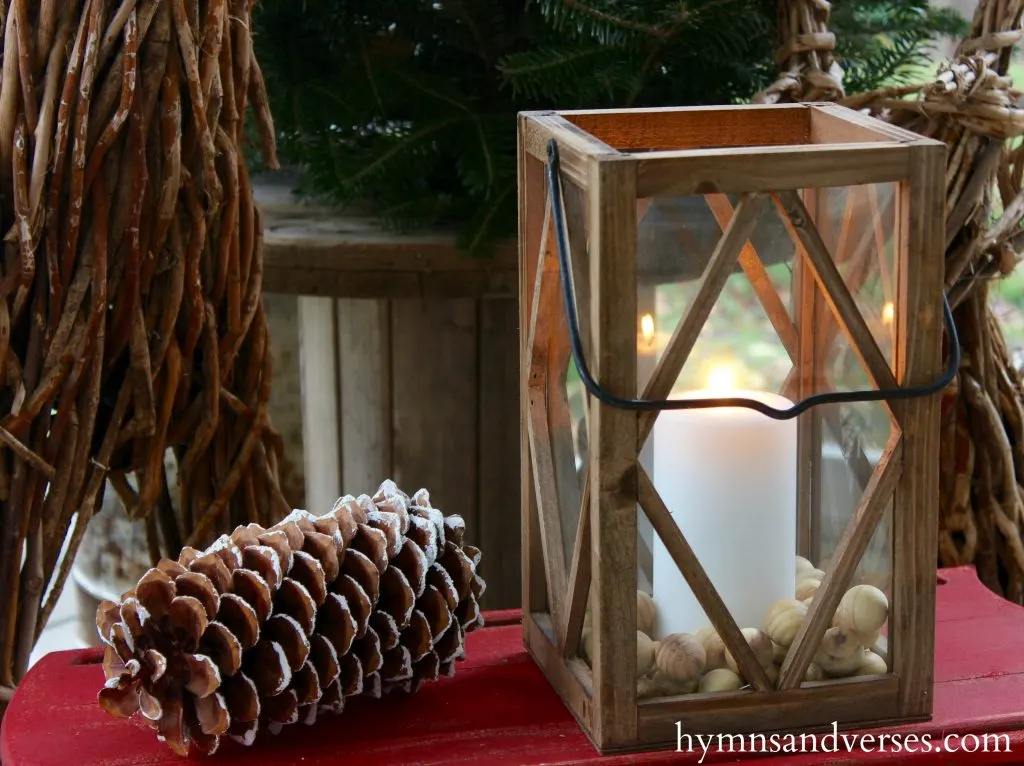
(729, 478)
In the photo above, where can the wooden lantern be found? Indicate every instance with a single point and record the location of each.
(833, 224)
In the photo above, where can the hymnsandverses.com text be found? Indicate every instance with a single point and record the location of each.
(836, 742)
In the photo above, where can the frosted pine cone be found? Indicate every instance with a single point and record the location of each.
(268, 627)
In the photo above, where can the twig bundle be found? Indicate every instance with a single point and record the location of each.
(130, 296)
(808, 70)
(971, 105)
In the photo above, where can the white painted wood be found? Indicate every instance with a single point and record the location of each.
(364, 343)
(286, 395)
(318, 363)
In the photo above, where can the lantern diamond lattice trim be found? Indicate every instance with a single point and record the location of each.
(617, 169)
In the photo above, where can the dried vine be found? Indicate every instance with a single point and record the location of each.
(971, 106)
(131, 318)
(808, 70)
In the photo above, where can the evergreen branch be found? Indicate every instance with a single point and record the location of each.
(584, 75)
(332, 95)
(485, 148)
(407, 108)
(406, 143)
(459, 8)
(423, 88)
(539, 63)
(681, 16)
(480, 233)
(611, 20)
(645, 70)
(368, 66)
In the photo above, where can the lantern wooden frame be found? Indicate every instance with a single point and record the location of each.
(618, 157)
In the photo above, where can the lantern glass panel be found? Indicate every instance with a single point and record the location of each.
(676, 240)
(770, 331)
(858, 226)
(568, 401)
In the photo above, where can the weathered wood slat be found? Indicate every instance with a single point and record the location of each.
(364, 373)
(434, 398)
(312, 249)
(316, 250)
(285, 412)
(318, 360)
(498, 529)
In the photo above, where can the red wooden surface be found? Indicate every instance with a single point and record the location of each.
(498, 709)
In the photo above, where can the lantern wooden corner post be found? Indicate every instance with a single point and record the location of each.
(920, 284)
(741, 165)
(614, 450)
(532, 204)
(556, 581)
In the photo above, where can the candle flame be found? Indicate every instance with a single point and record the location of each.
(888, 313)
(647, 327)
(722, 379)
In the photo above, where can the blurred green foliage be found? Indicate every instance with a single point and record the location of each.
(407, 108)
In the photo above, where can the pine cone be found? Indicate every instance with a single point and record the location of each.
(268, 627)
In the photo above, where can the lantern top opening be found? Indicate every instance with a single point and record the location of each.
(739, 148)
(723, 127)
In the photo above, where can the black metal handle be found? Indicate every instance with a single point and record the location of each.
(838, 397)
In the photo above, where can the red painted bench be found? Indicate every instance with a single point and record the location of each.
(498, 709)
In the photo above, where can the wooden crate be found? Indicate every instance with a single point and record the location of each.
(407, 359)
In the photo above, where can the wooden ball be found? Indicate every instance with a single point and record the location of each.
(657, 685)
(814, 672)
(841, 667)
(881, 647)
(779, 653)
(645, 687)
(720, 680)
(782, 605)
(761, 645)
(839, 643)
(872, 665)
(680, 658)
(714, 649)
(784, 620)
(644, 654)
(645, 613)
(807, 588)
(867, 640)
(863, 609)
